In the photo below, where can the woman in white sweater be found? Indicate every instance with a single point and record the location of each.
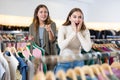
(72, 37)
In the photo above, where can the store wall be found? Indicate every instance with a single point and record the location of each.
(94, 10)
(104, 11)
(58, 9)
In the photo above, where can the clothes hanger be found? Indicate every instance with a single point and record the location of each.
(71, 74)
(50, 76)
(106, 66)
(115, 65)
(7, 49)
(95, 70)
(13, 50)
(80, 72)
(61, 75)
(26, 52)
(39, 76)
(102, 71)
(116, 47)
(88, 70)
(19, 52)
(94, 46)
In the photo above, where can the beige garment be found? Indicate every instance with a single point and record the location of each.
(18, 75)
(73, 42)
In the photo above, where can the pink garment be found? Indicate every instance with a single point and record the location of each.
(18, 45)
(37, 53)
(26, 54)
(21, 44)
(100, 77)
(8, 45)
(106, 72)
(116, 72)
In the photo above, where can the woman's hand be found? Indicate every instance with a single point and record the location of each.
(30, 37)
(48, 28)
(50, 32)
(76, 26)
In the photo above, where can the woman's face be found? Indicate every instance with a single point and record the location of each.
(42, 14)
(76, 17)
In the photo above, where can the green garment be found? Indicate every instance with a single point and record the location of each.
(112, 77)
(21, 55)
(33, 45)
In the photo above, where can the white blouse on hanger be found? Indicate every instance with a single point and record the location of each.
(13, 63)
(4, 63)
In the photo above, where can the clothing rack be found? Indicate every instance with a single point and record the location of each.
(113, 37)
(109, 38)
(105, 40)
(62, 59)
(13, 42)
(87, 56)
(14, 37)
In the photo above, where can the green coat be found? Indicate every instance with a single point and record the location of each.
(49, 47)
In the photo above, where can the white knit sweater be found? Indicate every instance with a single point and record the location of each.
(71, 42)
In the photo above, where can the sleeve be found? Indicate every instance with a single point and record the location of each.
(30, 29)
(53, 26)
(85, 40)
(63, 40)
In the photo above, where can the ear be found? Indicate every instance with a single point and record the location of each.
(83, 17)
(69, 18)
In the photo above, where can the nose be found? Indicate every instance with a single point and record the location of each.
(77, 20)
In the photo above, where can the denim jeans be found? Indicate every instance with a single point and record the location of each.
(67, 65)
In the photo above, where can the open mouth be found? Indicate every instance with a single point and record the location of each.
(76, 24)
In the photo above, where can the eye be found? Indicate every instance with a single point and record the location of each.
(40, 11)
(45, 11)
(80, 17)
(74, 16)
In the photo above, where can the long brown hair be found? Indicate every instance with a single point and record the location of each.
(36, 20)
(67, 22)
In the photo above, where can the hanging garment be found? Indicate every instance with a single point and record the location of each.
(116, 72)
(30, 71)
(13, 63)
(2, 72)
(4, 63)
(22, 67)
